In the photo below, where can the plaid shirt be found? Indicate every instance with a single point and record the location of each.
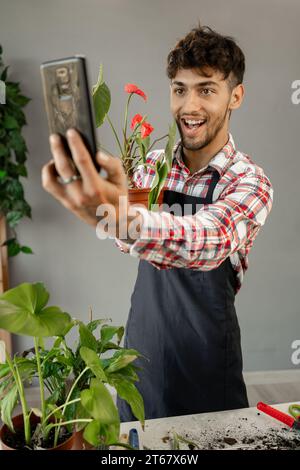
(242, 200)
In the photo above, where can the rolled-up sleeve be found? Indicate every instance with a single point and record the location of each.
(204, 240)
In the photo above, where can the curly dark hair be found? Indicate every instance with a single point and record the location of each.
(203, 47)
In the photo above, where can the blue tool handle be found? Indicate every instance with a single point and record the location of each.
(134, 438)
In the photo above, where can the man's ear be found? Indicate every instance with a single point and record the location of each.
(237, 96)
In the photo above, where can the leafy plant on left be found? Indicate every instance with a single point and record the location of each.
(76, 380)
(13, 156)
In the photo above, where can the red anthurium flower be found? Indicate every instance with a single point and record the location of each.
(146, 129)
(130, 88)
(135, 120)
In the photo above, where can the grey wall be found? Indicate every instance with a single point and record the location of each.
(132, 38)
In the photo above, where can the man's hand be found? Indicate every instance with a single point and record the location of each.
(83, 196)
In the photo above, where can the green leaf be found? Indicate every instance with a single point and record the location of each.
(3, 75)
(99, 434)
(21, 100)
(14, 249)
(92, 325)
(127, 373)
(27, 250)
(158, 183)
(163, 169)
(4, 370)
(22, 171)
(87, 338)
(93, 362)
(17, 142)
(108, 332)
(23, 311)
(121, 359)
(21, 157)
(8, 403)
(2, 174)
(101, 99)
(10, 122)
(128, 392)
(13, 218)
(14, 189)
(99, 403)
(3, 150)
(170, 145)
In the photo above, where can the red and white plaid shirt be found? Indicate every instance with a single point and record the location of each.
(242, 200)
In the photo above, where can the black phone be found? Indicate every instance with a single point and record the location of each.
(67, 100)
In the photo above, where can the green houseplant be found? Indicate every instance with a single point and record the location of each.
(13, 156)
(134, 145)
(75, 379)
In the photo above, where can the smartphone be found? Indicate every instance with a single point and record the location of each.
(67, 100)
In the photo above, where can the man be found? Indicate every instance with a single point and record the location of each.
(182, 316)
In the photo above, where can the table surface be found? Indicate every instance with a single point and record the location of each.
(245, 428)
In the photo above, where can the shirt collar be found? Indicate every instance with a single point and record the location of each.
(221, 161)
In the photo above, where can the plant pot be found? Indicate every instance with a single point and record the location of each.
(140, 196)
(19, 424)
(80, 443)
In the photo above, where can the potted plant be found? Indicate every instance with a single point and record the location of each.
(135, 144)
(13, 156)
(75, 379)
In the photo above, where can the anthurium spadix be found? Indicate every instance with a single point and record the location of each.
(24, 311)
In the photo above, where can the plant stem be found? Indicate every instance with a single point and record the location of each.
(20, 387)
(41, 382)
(66, 402)
(61, 406)
(157, 140)
(126, 115)
(116, 135)
(64, 423)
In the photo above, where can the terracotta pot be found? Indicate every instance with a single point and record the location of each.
(18, 424)
(80, 443)
(140, 196)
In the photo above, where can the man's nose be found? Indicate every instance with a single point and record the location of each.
(192, 102)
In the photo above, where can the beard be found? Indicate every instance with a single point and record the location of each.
(208, 135)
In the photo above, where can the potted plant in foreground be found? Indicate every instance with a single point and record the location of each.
(135, 144)
(75, 379)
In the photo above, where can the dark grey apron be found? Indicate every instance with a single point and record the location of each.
(184, 322)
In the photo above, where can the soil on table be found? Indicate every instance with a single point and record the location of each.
(240, 435)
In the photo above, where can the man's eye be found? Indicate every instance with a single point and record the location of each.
(178, 90)
(207, 91)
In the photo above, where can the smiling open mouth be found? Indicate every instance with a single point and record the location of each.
(192, 127)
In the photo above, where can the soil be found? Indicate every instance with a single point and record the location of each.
(16, 440)
(242, 434)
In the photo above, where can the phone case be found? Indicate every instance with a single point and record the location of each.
(67, 99)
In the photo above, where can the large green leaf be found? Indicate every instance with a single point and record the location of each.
(8, 404)
(128, 391)
(23, 311)
(121, 359)
(99, 403)
(99, 434)
(93, 362)
(86, 337)
(101, 99)
(108, 332)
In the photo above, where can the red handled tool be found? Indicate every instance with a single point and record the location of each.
(282, 417)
